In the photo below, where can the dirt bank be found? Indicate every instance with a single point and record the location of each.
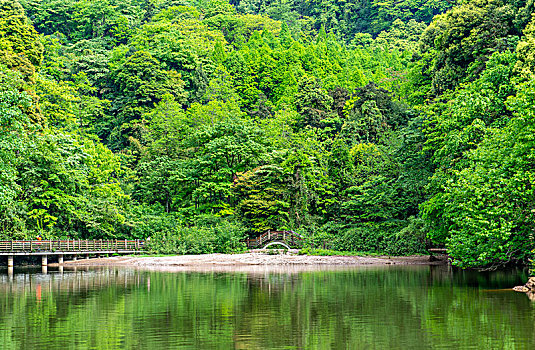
(235, 261)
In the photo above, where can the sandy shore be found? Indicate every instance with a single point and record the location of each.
(247, 260)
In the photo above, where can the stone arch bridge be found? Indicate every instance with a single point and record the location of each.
(287, 239)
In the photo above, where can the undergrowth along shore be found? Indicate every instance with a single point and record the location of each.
(228, 237)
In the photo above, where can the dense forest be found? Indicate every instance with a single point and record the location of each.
(374, 126)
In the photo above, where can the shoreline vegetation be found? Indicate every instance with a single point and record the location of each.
(360, 125)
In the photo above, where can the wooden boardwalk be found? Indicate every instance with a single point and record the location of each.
(68, 247)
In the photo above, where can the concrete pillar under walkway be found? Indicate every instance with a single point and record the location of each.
(10, 261)
(44, 260)
(60, 259)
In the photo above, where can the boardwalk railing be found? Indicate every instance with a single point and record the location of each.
(66, 246)
(289, 237)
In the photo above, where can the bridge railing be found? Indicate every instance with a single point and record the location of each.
(290, 237)
(71, 245)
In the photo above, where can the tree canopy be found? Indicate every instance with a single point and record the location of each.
(367, 126)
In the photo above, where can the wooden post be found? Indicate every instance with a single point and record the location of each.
(11, 245)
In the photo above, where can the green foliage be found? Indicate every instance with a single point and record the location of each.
(403, 36)
(219, 237)
(388, 238)
(487, 206)
(111, 20)
(345, 18)
(312, 102)
(457, 127)
(200, 123)
(20, 46)
(68, 186)
(262, 201)
(526, 51)
(138, 82)
(13, 120)
(388, 12)
(461, 40)
(392, 238)
(182, 43)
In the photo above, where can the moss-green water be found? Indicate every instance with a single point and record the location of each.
(359, 308)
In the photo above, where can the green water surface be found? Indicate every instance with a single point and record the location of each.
(395, 307)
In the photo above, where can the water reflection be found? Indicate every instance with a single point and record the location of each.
(397, 307)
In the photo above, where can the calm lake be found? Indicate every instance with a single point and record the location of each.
(394, 307)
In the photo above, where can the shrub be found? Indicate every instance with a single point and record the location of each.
(392, 237)
(206, 237)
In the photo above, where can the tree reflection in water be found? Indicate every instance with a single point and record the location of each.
(259, 308)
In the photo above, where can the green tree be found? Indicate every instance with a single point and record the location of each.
(261, 196)
(488, 206)
(138, 82)
(312, 102)
(20, 45)
(462, 39)
(14, 119)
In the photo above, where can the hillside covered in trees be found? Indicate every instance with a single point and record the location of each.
(374, 126)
